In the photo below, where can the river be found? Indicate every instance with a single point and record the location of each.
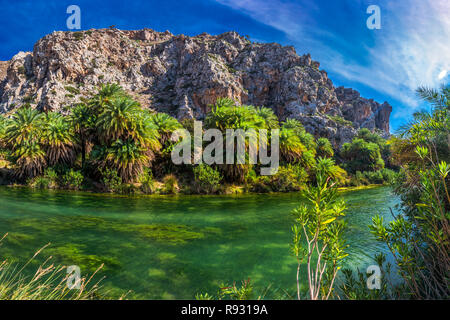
(172, 247)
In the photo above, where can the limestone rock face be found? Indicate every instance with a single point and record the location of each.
(3, 69)
(365, 112)
(184, 75)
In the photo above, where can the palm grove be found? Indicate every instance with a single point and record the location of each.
(108, 142)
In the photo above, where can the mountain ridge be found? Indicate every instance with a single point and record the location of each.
(184, 75)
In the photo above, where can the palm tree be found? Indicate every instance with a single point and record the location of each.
(118, 119)
(439, 99)
(330, 169)
(223, 103)
(29, 159)
(297, 145)
(293, 124)
(24, 127)
(82, 120)
(147, 132)
(165, 125)
(3, 123)
(59, 140)
(105, 94)
(128, 135)
(308, 141)
(225, 114)
(432, 126)
(291, 147)
(128, 158)
(270, 119)
(324, 148)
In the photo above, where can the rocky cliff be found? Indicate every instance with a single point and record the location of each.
(183, 75)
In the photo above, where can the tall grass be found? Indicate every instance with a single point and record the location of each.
(49, 282)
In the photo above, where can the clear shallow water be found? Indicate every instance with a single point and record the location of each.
(163, 247)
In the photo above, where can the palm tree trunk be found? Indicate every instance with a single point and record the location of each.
(83, 153)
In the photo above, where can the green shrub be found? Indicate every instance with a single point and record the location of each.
(360, 155)
(39, 182)
(260, 185)
(78, 35)
(289, 178)
(111, 180)
(72, 90)
(52, 176)
(308, 159)
(170, 184)
(72, 179)
(318, 234)
(49, 180)
(389, 176)
(207, 179)
(147, 182)
(340, 120)
(21, 70)
(127, 188)
(383, 176)
(230, 292)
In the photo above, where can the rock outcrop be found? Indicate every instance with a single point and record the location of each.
(3, 69)
(184, 75)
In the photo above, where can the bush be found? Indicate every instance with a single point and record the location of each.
(361, 155)
(40, 182)
(289, 178)
(111, 180)
(339, 120)
(383, 176)
(147, 182)
(170, 184)
(72, 179)
(49, 180)
(126, 188)
(52, 176)
(207, 179)
(260, 185)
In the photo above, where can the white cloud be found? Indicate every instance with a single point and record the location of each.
(412, 48)
(442, 75)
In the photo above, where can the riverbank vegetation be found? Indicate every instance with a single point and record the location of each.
(108, 143)
(418, 238)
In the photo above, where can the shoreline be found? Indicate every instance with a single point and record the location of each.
(156, 194)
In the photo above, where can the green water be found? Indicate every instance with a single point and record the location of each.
(164, 247)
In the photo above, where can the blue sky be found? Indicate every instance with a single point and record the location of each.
(412, 48)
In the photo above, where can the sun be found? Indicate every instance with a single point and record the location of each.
(442, 74)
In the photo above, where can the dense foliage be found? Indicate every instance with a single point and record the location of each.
(419, 237)
(108, 142)
(318, 239)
